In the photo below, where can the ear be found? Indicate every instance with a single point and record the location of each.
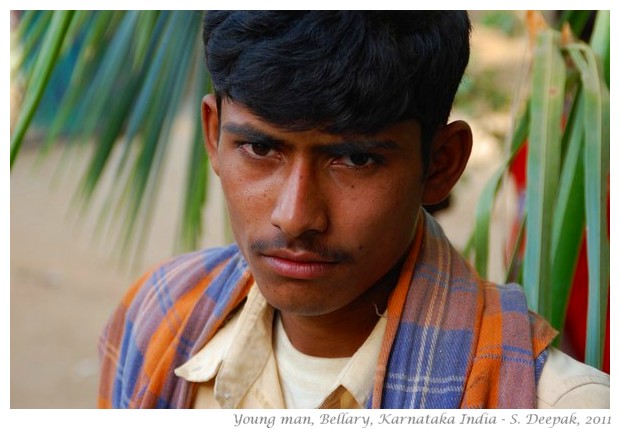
(210, 128)
(448, 157)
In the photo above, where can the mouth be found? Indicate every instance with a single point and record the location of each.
(298, 265)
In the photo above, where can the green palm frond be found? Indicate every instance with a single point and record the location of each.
(131, 75)
(39, 75)
(565, 125)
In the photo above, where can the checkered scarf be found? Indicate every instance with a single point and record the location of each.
(451, 340)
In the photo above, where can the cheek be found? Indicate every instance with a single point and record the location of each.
(395, 199)
(382, 214)
(247, 198)
(237, 193)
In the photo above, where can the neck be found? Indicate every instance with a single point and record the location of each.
(341, 333)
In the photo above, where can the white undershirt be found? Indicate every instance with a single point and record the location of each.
(305, 380)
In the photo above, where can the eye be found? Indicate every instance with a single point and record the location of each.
(257, 150)
(358, 160)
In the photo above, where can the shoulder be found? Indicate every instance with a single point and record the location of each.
(168, 293)
(175, 278)
(568, 383)
(195, 264)
(162, 317)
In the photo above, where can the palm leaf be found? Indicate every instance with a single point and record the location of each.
(544, 150)
(132, 72)
(596, 164)
(568, 218)
(567, 129)
(486, 202)
(41, 73)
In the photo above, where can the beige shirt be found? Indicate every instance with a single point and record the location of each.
(244, 374)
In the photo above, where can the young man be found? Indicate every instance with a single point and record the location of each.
(329, 131)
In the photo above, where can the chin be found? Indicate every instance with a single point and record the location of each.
(304, 309)
(297, 302)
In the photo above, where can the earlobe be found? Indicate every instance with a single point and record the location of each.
(448, 158)
(210, 128)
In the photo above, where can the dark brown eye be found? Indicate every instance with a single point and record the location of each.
(359, 159)
(260, 149)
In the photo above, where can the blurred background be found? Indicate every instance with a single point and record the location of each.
(69, 268)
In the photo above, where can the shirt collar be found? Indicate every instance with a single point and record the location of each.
(235, 365)
(237, 353)
(358, 375)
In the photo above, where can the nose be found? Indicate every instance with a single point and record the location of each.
(300, 205)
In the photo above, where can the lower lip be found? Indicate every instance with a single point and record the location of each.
(296, 269)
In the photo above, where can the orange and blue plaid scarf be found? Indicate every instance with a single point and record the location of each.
(452, 340)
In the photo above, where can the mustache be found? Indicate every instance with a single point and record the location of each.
(301, 244)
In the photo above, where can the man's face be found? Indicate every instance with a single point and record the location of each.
(319, 218)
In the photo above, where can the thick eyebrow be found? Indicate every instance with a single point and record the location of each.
(251, 134)
(349, 147)
(340, 148)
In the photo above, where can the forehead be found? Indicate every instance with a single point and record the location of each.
(236, 119)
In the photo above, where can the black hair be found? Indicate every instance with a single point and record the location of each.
(343, 72)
